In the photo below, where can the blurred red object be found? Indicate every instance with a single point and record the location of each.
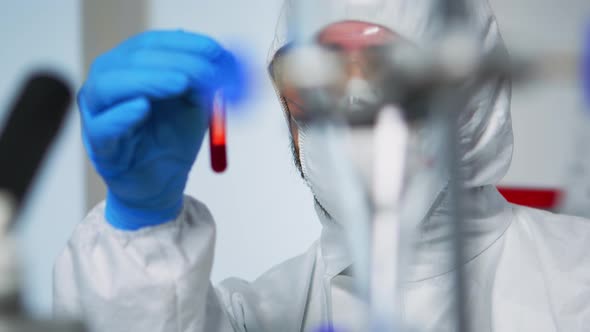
(540, 198)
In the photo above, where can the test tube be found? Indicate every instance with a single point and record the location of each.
(218, 134)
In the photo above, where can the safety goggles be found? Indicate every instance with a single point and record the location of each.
(346, 71)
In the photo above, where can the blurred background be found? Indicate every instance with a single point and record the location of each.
(260, 203)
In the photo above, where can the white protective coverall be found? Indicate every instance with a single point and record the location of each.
(527, 270)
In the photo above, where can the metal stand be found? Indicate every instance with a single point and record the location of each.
(13, 317)
(390, 141)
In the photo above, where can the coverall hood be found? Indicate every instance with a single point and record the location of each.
(485, 139)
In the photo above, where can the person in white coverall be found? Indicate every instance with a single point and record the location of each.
(142, 260)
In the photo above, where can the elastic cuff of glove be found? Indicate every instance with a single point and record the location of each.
(123, 217)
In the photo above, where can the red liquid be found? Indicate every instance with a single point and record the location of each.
(217, 135)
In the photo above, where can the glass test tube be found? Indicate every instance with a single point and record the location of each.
(218, 134)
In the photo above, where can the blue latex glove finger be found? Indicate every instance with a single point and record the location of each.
(145, 112)
(108, 88)
(206, 75)
(112, 87)
(103, 134)
(232, 77)
(174, 40)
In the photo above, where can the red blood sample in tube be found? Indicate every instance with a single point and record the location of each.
(217, 134)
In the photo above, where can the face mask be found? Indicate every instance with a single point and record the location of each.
(342, 187)
(326, 166)
(342, 205)
(337, 164)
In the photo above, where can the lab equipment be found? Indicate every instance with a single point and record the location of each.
(218, 134)
(33, 124)
(391, 141)
(145, 109)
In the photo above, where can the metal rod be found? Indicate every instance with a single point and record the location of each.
(455, 194)
(390, 140)
(454, 12)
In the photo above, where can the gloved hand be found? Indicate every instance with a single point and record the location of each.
(144, 110)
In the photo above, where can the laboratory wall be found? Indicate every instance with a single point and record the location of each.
(44, 35)
(547, 116)
(263, 210)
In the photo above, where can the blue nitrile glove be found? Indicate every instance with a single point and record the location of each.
(145, 109)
